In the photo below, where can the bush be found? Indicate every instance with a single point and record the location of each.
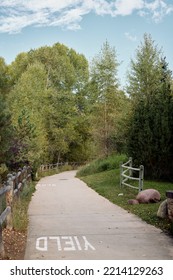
(100, 165)
(20, 208)
(3, 172)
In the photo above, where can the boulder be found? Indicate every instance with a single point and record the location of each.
(170, 208)
(169, 195)
(163, 210)
(133, 201)
(148, 196)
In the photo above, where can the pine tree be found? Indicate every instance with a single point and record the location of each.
(5, 117)
(145, 75)
(150, 132)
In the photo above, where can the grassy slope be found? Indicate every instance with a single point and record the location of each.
(107, 184)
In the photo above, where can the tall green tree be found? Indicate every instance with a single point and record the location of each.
(59, 91)
(27, 103)
(145, 74)
(59, 122)
(151, 124)
(5, 117)
(106, 99)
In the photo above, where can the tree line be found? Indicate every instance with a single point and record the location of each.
(56, 106)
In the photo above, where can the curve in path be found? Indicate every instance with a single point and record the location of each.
(68, 220)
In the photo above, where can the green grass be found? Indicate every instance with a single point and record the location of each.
(41, 174)
(107, 184)
(20, 208)
(100, 165)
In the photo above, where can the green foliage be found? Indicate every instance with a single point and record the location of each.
(100, 165)
(49, 85)
(150, 127)
(146, 71)
(5, 118)
(5, 129)
(27, 103)
(60, 111)
(3, 172)
(20, 208)
(60, 123)
(4, 77)
(107, 101)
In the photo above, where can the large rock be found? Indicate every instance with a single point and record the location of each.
(133, 201)
(148, 196)
(170, 208)
(163, 210)
(169, 195)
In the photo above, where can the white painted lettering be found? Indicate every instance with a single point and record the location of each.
(41, 244)
(57, 238)
(87, 244)
(77, 243)
(69, 242)
(64, 243)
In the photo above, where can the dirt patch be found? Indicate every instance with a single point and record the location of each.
(14, 244)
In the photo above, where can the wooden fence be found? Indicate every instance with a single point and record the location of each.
(11, 188)
(126, 174)
(54, 166)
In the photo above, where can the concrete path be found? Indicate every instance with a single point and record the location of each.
(68, 220)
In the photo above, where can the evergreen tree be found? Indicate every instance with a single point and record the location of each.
(145, 75)
(5, 130)
(151, 123)
(5, 117)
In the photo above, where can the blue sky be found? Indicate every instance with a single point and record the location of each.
(85, 25)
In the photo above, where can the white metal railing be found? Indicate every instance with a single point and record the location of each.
(126, 174)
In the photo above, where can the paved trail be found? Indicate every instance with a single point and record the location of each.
(68, 220)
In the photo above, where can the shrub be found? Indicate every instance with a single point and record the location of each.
(100, 165)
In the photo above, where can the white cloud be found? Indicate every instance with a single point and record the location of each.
(126, 7)
(17, 14)
(157, 10)
(130, 37)
(69, 18)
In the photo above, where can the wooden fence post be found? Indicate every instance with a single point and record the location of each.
(141, 177)
(121, 171)
(130, 165)
(2, 251)
(9, 203)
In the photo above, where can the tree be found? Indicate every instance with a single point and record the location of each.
(5, 117)
(106, 99)
(22, 142)
(145, 75)
(151, 124)
(27, 102)
(18, 67)
(59, 123)
(57, 93)
(5, 129)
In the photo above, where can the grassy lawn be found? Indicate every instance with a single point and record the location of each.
(107, 184)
